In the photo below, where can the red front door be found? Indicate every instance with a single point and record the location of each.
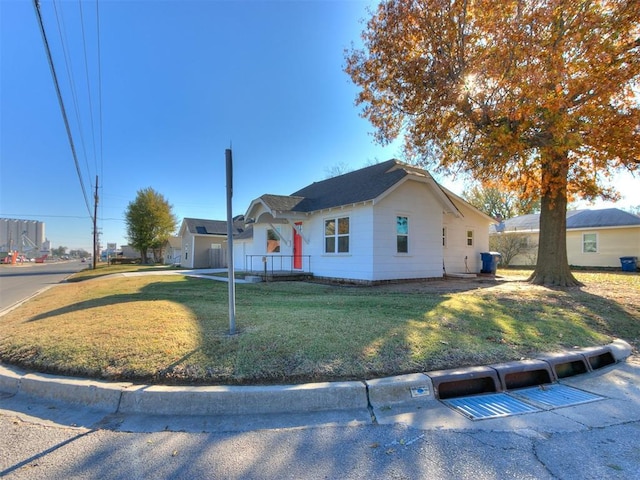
(297, 247)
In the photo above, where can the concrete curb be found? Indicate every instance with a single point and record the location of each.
(414, 388)
(127, 398)
(240, 400)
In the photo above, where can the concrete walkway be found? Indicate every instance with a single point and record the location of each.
(206, 273)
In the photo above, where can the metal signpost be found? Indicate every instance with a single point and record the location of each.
(231, 273)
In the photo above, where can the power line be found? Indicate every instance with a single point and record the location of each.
(36, 6)
(86, 72)
(2, 215)
(64, 41)
(25, 216)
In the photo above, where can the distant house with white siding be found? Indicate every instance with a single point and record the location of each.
(390, 221)
(172, 251)
(595, 238)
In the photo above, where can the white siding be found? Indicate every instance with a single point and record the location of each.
(373, 252)
(248, 254)
(456, 251)
(424, 259)
(355, 265)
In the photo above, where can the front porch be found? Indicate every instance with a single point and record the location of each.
(279, 267)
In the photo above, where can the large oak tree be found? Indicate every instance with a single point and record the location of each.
(150, 221)
(542, 95)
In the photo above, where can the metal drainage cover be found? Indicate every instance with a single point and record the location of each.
(489, 406)
(555, 395)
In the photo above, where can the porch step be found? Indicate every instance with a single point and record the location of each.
(461, 275)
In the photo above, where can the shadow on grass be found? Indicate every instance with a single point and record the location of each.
(299, 332)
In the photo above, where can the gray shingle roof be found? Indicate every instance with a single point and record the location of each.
(212, 227)
(576, 219)
(353, 187)
(281, 202)
(174, 242)
(607, 217)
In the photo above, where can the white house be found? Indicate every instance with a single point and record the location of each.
(172, 251)
(390, 221)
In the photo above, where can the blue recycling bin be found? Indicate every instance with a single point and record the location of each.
(629, 264)
(490, 262)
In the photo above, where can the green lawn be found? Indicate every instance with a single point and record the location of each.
(174, 329)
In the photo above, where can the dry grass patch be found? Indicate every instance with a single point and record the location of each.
(173, 329)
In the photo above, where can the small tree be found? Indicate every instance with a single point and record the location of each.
(59, 251)
(150, 221)
(510, 245)
(80, 253)
(337, 170)
(497, 202)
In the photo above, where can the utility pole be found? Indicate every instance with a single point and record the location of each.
(230, 270)
(95, 225)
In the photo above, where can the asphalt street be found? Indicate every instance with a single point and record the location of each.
(44, 439)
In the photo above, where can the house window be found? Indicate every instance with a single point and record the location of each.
(402, 234)
(589, 243)
(273, 241)
(444, 236)
(336, 240)
(469, 238)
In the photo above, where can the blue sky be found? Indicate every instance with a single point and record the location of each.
(181, 81)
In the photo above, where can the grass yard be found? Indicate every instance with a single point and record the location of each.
(174, 329)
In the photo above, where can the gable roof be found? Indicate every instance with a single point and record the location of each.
(200, 226)
(576, 219)
(363, 185)
(174, 242)
(281, 203)
(354, 187)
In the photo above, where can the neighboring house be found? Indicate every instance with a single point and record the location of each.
(389, 221)
(203, 242)
(129, 252)
(172, 251)
(595, 238)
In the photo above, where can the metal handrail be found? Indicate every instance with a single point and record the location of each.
(276, 263)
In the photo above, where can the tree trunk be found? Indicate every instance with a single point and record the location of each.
(552, 267)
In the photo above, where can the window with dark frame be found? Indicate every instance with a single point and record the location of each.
(402, 234)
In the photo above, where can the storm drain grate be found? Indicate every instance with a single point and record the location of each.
(489, 406)
(553, 396)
